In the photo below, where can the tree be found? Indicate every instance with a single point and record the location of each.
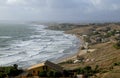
(88, 71)
(2, 75)
(88, 68)
(15, 66)
(9, 71)
(80, 71)
(57, 74)
(13, 72)
(50, 74)
(43, 74)
(66, 73)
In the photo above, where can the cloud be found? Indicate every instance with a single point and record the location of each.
(60, 10)
(96, 2)
(14, 2)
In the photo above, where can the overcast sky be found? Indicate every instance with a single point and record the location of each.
(60, 10)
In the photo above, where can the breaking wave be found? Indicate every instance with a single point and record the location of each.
(42, 45)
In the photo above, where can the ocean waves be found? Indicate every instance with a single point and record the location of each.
(42, 45)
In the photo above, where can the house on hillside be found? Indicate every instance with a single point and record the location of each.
(48, 70)
(46, 66)
(35, 70)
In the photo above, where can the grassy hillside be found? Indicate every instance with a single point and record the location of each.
(105, 54)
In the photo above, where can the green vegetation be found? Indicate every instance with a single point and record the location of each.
(117, 45)
(117, 64)
(43, 74)
(66, 73)
(9, 71)
(50, 74)
(88, 71)
(57, 74)
(111, 33)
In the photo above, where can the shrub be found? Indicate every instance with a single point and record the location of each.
(117, 45)
(9, 71)
(96, 70)
(57, 74)
(82, 48)
(50, 74)
(2, 75)
(117, 64)
(43, 74)
(66, 73)
(80, 71)
(15, 66)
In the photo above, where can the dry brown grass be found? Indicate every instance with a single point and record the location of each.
(105, 54)
(115, 73)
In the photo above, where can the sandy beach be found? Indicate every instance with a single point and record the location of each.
(74, 56)
(80, 52)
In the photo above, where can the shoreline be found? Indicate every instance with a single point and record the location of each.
(74, 54)
(22, 64)
(78, 53)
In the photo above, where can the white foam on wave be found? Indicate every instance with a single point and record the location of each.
(48, 44)
(3, 37)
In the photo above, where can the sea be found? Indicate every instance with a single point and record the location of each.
(30, 44)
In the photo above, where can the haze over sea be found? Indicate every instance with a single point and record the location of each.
(26, 44)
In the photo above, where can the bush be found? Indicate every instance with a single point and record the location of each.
(82, 48)
(111, 33)
(66, 73)
(13, 72)
(117, 64)
(15, 66)
(43, 74)
(9, 71)
(57, 74)
(117, 45)
(80, 71)
(96, 70)
(88, 71)
(2, 75)
(50, 74)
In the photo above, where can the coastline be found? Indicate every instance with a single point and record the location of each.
(69, 55)
(24, 64)
(75, 53)
(73, 56)
(78, 53)
(102, 54)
